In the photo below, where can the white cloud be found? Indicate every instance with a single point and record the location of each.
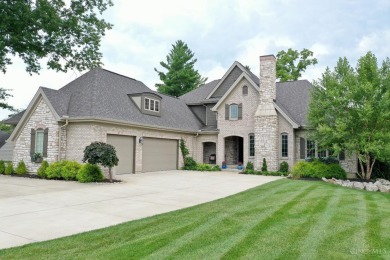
(319, 50)
(378, 42)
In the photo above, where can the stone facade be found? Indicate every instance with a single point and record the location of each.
(266, 127)
(41, 117)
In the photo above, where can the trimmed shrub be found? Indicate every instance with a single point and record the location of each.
(66, 170)
(249, 166)
(21, 169)
(216, 168)
(54, 171)
(2, 167)
(249, 171)
(264, 167)
(317, 169)
(42, 169)
(203, 167)
(9, 169)
(90, 173)
(283, 167)
(70, 170)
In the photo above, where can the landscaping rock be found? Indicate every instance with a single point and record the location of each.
(347, 184)
(383, 181)
(371, 187)
(358, 185)
(381, 185)
(383, 188)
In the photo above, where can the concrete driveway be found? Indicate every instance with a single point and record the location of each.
(35, 210)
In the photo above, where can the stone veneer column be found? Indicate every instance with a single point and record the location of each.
(266, 118)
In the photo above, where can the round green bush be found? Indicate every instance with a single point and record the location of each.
(283, 167)
(90, 173)
(42, 169)
(54, 170)
(317, 169)
(9, 169)
(70, 170)
(21, 169)
(216, 168)
(2, 167)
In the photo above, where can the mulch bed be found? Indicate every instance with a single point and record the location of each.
(34, 176)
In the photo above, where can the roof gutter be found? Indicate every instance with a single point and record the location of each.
(126, 123)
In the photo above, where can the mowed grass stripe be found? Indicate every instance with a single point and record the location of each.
(315, 238)
(214, 221)
(242, 247)
(284, 219)
(221, 236)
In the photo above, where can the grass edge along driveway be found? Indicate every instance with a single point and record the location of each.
(282, 219)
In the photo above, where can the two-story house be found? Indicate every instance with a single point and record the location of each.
(238, 118)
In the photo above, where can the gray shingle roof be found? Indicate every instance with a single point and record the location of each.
(14, 120)
(3, 137)
(294, 96)
(199, 95)
(104, 94)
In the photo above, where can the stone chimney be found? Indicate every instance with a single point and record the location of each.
(267, 78)
(266, 118)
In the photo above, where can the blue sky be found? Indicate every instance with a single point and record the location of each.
(220, 32)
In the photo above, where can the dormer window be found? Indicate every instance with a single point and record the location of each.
(152, 104)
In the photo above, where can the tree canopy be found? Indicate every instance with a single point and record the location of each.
(101, 153)
(291, 64)
(349, 110)
(181, 76)
(68, 34)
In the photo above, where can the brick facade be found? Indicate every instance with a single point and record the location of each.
(241, 128)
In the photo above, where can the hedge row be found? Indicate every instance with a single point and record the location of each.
(62, 170)
(318, 169)
(192, 165)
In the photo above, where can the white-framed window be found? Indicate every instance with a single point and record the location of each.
(233, 112)
(152, 105)
(251, 145)
(284, 145)
(39, 137)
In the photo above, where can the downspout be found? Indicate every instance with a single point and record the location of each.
(59, 137)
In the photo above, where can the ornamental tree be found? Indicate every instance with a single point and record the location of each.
(349, 110)
(101, 153)
(68, 33)
(291, 64)
(181, 76)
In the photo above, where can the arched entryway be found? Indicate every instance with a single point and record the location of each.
(234, 150)
(209, 152)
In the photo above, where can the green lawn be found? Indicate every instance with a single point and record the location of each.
(283, 219)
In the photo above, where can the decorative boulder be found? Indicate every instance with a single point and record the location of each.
(383, 188)
(371, 187)
(358, 185)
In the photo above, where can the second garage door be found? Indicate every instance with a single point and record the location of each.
(159, 154)
(124, 146)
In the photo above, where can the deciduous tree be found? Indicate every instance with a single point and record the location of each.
(291, 64)
(349, 110)
(181, 76)
(68, 33)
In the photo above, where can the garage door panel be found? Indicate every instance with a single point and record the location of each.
(124, 146)
(159, 154)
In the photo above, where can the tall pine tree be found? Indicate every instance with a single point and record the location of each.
(181, 76)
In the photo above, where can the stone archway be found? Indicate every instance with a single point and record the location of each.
(234, 150)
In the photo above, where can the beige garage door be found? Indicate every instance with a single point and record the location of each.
(124, 146)
(159, 154)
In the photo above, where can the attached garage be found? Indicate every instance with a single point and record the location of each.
(124, 146)
(159, 154)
